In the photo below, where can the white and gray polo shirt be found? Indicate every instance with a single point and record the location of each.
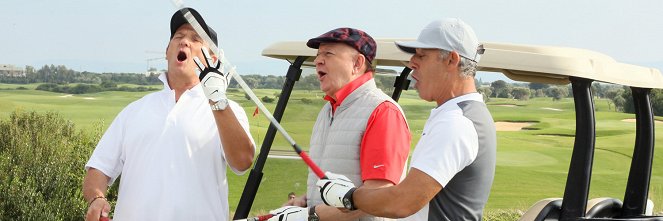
(457, 149)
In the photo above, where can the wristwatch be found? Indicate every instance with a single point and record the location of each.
(312, 216)
(348, 203)
(220, 105)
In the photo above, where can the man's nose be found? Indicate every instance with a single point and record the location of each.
(411, 64)
(185, 42)
(318, 60)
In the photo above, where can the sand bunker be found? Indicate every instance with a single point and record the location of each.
(66, 95)
(505, 105)
(632, 120)
(89, 98)
(511, 126)
(552, 109)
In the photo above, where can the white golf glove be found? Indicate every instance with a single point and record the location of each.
(337, 191)
(213, 81)
(289, 213)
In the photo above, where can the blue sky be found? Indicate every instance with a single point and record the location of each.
(120, 35)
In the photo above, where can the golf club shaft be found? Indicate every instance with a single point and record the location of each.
(224, 62)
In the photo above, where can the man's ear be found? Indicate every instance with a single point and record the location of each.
(360, 62)
(454, 58)
(166, 53)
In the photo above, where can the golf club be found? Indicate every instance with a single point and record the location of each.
(226, 65)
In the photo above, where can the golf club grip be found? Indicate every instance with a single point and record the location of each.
(257, 218)
(104, 219)
(312, 165)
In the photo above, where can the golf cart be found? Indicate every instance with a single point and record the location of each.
(529, 63)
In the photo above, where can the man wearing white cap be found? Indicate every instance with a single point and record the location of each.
(453, 164)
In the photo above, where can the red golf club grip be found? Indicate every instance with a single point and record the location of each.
(258, 218)
(312, 165)
(104, 219)
(263, 218)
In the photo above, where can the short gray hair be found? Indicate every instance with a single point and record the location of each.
(468, 68)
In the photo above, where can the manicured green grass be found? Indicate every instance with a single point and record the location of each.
(14, 86)
(85, 110)
(531, 164)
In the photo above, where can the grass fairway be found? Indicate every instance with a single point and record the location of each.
(531, 164)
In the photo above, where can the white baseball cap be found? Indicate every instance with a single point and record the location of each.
(451, 34)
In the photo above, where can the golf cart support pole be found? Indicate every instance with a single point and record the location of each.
(580, 168)
(255, 176)
(401, 83)
(637, 188)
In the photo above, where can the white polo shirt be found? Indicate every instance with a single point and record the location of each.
(170, 158)
(449, 141)
(448, 144)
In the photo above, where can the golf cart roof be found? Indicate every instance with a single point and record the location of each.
(530, 63)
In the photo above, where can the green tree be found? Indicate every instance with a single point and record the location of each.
(656, 98)
(611, 95)
(108, 85)
(308, 82)
(620, 103)
(29, 70)
(557, 93)
(537, 86)
(251, 82)
(520, 93)
(267, 99)
(500, 89)
(624, 102)
(485, 91)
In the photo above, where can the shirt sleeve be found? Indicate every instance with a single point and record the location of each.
(108, 155)
(240, 114)
(445, 148)
(385, 145)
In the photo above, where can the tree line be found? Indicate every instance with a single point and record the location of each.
(58, 79)
(90, 88)
(619, 96)
(60, 74)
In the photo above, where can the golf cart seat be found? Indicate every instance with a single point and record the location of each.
(545, 209)
(603, 207)
(609, 208)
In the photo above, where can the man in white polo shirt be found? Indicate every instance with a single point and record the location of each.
(453, 164)
(171, 147)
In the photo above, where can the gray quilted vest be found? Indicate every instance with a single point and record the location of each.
(335, 140)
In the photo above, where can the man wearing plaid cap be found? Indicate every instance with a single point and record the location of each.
(453, 164)
(360, 133)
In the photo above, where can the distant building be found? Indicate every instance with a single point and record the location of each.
(11, 70)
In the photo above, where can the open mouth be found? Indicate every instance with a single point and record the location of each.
(321, 74)
(411, 77)
(181, 56)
